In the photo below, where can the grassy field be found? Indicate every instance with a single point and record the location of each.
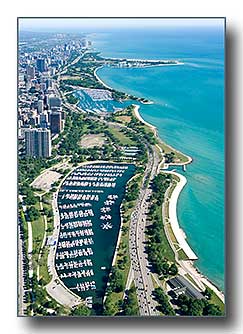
(123, 251)
(38, 230)
(171, 234)
(43, 266)
(181, 253)
(92, 140)
(155, 284)
(167, 250)
(179, 157)
(215, 300)
(124, 119)
(172, 186)
(166, 209)
(125, 140)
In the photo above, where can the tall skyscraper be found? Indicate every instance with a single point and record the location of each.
(43, 86)
(44, 120)
(40, 106)
(49, 83)
(30, 71)
(54, 101)
(41, 65)
(38, 143)
(56, 122)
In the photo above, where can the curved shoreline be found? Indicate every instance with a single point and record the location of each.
(178, 232)
(154, 129)
(191, 268)
(98, 78)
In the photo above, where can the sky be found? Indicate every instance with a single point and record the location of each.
(89, 24)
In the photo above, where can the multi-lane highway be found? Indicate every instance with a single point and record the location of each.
(140, 268)
(137, 241)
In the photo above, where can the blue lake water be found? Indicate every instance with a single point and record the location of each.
(188, 111)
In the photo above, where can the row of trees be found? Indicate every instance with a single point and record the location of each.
(25, 261)
(113, 306)
(87, 82)
(132, 191)
(69, 142)
(29, 168)
(117, 282)
(157, 243)
(32, 213)
(163, 300)
(140, 128)
(41, 304)
(130, 305)
(197, 307)
(72, 99)
(27, 191)
(169, 157)
(64, 87)
(122, 307)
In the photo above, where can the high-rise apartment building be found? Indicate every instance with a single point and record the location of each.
(56, 122)
(44, 119)
(54, 101)
(40, 106)
(30, 71)
(41, 65)
(38, 143)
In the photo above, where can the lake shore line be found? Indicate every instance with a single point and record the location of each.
(185, 266)
(190, 266)
(155, 131)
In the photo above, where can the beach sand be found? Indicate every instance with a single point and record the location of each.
(98, 78)
(178, 232)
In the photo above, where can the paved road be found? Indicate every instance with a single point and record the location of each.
(44, 239)
(21, 274)
(137, 237)
(137, 242)
(21, 290)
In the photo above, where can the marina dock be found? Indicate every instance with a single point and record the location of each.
(89, 209)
